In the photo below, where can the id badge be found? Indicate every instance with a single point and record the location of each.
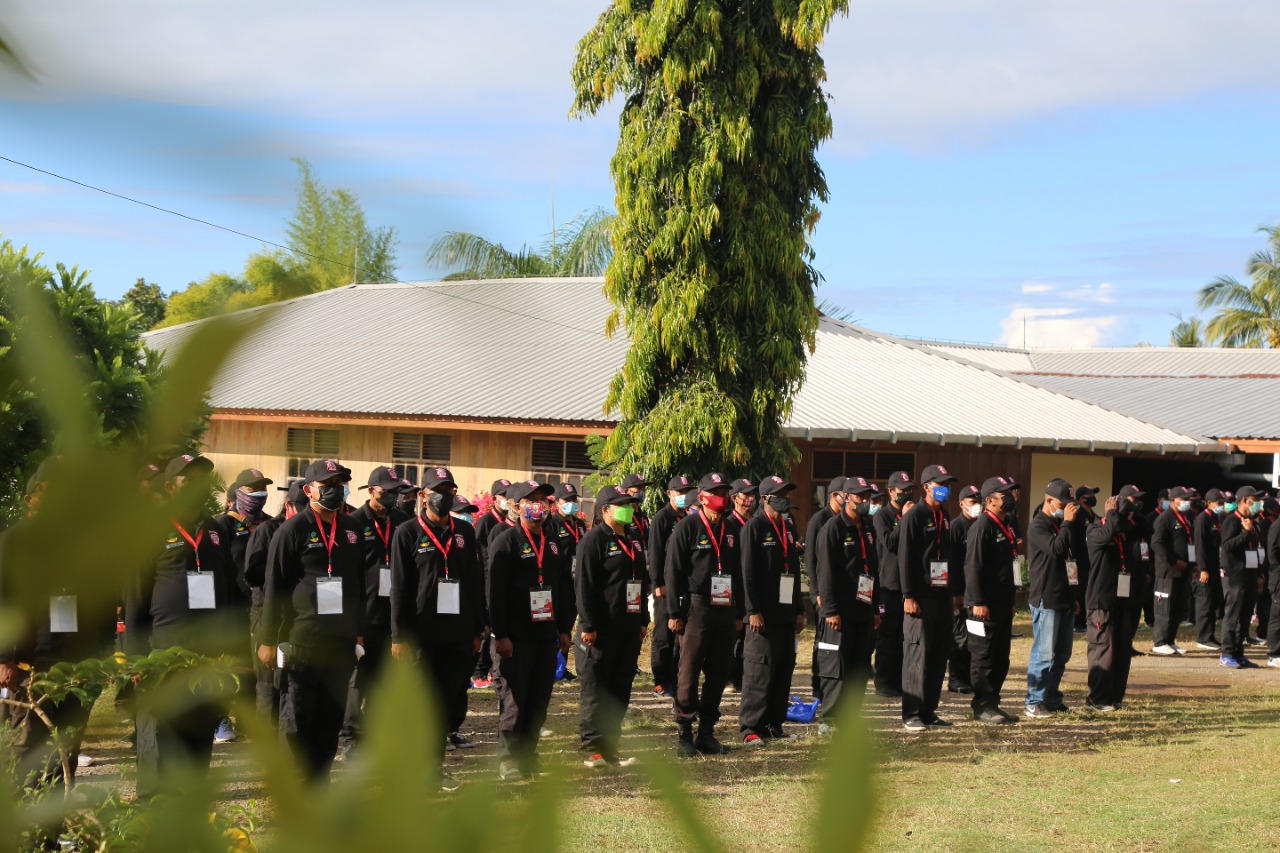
(937, 573)
(1250, 559)
(1122, 585)
(200, 591)
(866, 586)
(384, 582)
(976, 627)
(62, 614)
(329, 596)
(1073, 573)
(540, 607)
(1191, 553)
(721, 590)
(1262, 556)
(633, 596)
(1144, 550)
(1019, 565)
(448, 598)
(786, 589)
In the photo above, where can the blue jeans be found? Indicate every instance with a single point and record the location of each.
(1050, 651)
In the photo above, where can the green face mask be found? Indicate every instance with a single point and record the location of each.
(1230, 507)
(624, 513)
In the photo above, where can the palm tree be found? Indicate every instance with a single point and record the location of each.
(1189, 331)
(1248, 316)
(579, 248)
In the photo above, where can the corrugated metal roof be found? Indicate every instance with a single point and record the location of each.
(997, 357)
(1158, 361)
(512, 335)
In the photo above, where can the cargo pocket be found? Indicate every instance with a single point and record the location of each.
(830, 664)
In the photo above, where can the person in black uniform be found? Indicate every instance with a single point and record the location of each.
(960, 662)
(664, 647)
(924, 565)
(775, 612)
(1176, 550)
(1087, 497)
(1270, 510)
(834, 506)
(1137, 543)
(530, 593)
(1206, 584)
(889, 635)
(847, 567)
(181, 600)
(705, 607)
(313, 614)
(568, 528)
(742, 493)
(377, 518)
(496, 515)
(1051, 598)
(636, 486)
(1273, 584)
(1110, 584)
(437, 603)
(990, 550)
(1241, 558)
(612, 585)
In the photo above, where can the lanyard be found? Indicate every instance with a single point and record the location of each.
(939, 522)
(331, 541)
(571, 525)
(195, 543)
(1252, 533)
(444, 549)
(862, 541)
(497, 516)
(386, 539)
(630, 552)
(642, 526)
(781, 538)
(1119, 540)
(538, 552)
(1013, 543)
(715, 543)
(1191, 539)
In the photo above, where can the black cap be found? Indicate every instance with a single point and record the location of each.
(775, 485)
(969, 492)
(1013, 481)
(1248, 492)
(1162, 494)
(742, 487)
(499, 487)
(994, 485)
(858, 486)
(836, 485)
(1085, 491)
(1216, 496)
(565, 491)
(1131, 492)
(322, 469)
(1061, 490)
(936, 474)
(634, 481)
(680, 483)
(434, 478)
(1183, 492)
(528, 489)
(385, 477)
(296, 495)
(613, 495)
(251, 477)
(461, 504)
(714, 480)
(188, 465)
(900, 480)
(410, 488)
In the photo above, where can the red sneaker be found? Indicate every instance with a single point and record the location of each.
(753, 739)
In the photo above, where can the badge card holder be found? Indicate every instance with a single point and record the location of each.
(938, 573)
(721, 590)
(200, 591)
(786, 589)
(1019, 566)
(866, 586)
(633, 596)
(62, 614)
(384, 582)
(1073, 573)
(1122, 585)
(448, 598)
(1251, 559)
(329, 596)
(540, 606)
(1191, 553)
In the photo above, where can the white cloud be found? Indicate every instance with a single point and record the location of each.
(1042, 328)
(1036, 287)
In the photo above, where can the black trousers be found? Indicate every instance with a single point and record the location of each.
(484, 662)
(39, 763)
(176, 744)
(1171, 602)
(736, 666)
(1264, 612)
(706, 651)
(266, 681)
(524, 683)
(990, 658)
(960, 662)
(889, 642)
(1208, 597)
(449, 666)
(1241, 595)
(606, 672)
(1140, 602)
(312, 705)
(1110, 654)
(664, 647)
(364, 675)
(844, 663)
(769, 661)
(1273, 620)
(926, 645)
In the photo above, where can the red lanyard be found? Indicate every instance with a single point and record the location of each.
(630, 552)
(444, 549)
(538, 552)
(332, 540)
(642, 526)
(497, 516)
(1008, 532)
(195, 543)
(386, 539)
(781, 538)
(572, 527)
(1191, 539)
(862, 541)
(738, 515)
(1119, 540)
(939, 522)
(715, 543)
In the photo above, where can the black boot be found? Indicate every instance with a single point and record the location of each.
(707, 743)
(685, 748)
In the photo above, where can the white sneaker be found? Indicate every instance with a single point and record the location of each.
(1164, 650)
(83, 760)
(1273, 662)
(1177, 649)
(1210, 647)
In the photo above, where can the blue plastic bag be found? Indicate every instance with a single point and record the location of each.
(561, 666)
(800, 711)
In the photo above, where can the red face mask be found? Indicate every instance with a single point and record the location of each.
(715, 503)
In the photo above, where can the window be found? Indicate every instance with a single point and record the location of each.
(305, 445)
(557, 461)
(413, 451)
(876, 466)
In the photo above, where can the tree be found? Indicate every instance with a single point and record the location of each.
(1189, 331)
(148, 301)
(579, 248)
(1248, 315)
(717, 190)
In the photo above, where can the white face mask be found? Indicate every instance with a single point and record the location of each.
(973, 511)
(504, 504)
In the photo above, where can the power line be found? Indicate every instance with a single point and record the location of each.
(321, 259)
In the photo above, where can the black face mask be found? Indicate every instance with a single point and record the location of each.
(863, 508)
(1090, 502)
(439, 503)
(332, 497)
(388, 499)
(1008, 503)
(1136, 506)
(780, 503)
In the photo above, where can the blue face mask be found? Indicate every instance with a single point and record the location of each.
(1060, 513)
(463, 516)
(873, 509)
(1255, 508)
(1164, 505)
(1219, 509)
(941, 493)
(569, 507)
(681, 500)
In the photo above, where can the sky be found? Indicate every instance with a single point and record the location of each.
(1064, 173)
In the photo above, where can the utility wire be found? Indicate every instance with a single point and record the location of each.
(441, 291)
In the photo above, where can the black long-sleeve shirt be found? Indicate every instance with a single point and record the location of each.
(568, 531)
(1105, 539)
(1048, 549)
(235, 532)
(298, 559)
(925, 538)
(816, 522)
(1236, 542)
(376, 533)
(846, 552)
(885, 522)
(484, 528)
(769, 550)
(418, 566)
(692, 561)
(608, 562)
(513, 572)
(1171, 535)
(1208, 533)
(1273, 556)
(990, 548)
(660, 529)
(960, 527)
